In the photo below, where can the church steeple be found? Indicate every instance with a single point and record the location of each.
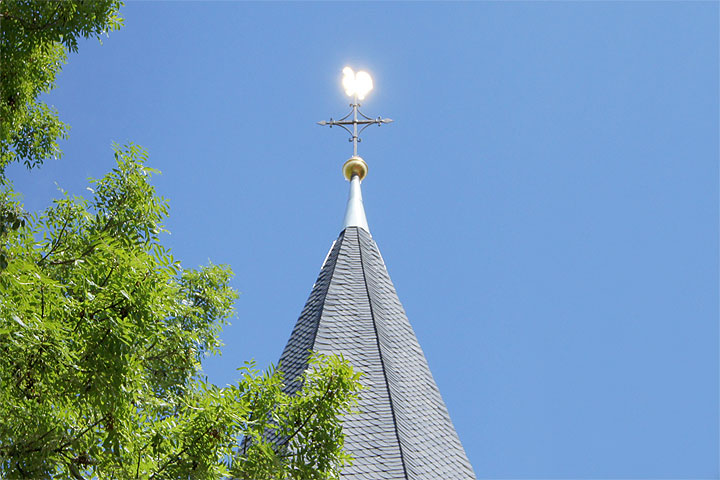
(402, 429)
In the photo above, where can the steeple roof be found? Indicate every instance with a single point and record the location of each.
(403, 429)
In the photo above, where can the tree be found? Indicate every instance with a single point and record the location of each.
(35, 37)
(103, 334)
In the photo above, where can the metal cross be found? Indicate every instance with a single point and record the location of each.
(365, 122)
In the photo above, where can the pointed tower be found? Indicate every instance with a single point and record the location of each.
(403, 429)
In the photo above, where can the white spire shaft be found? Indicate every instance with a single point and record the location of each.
(355, 212)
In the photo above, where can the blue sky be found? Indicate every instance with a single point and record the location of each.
(546, 200)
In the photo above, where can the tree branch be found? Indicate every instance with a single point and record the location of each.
(177, 456)
(305, 422)
(87, 429)
(72, 260)
(55, 243)
(112, 267)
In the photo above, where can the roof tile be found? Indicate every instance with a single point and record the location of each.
(402, 429)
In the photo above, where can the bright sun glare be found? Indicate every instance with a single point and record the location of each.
(359, 83)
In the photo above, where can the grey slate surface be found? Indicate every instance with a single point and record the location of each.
(403, 429)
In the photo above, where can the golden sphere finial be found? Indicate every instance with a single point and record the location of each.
(355, 166)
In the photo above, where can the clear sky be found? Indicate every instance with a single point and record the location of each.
(546, 200)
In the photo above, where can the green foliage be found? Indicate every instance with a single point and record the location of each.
(103, 333)
(35, 37)
(11, 218)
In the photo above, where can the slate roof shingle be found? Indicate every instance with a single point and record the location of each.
(403, 429)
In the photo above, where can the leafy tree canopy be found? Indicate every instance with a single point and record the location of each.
(35, 37)
(102, 335)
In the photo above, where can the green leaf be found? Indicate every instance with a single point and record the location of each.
(17, 319)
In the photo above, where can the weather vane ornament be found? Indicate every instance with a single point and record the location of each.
(356, 85)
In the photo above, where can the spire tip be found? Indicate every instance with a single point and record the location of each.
(355, 212)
